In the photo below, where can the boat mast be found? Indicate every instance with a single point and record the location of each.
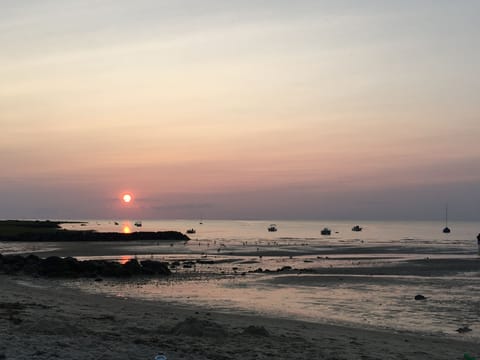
(446, 215)
(446, 229)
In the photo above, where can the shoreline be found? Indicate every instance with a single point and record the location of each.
(45, 320)
(378, 297)
(360, 296)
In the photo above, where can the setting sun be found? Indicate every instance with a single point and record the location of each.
(127, 198)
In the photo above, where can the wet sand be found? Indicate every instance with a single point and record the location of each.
(43, 319)
(40, 319)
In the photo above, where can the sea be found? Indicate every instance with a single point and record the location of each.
(345, 278)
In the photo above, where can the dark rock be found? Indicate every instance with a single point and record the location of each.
(463, 330)
(31, 264)
(11, 264)
(94, 268)
(110, 268)
(55, 266)
(132, 267)
(155, 267)
(13, 259)
(32, 259)
(75, 235)
(285, 268)
(420, 297)
(256, 331)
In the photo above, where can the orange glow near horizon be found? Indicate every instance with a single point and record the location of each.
(126, 229)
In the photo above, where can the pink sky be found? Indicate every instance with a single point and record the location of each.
(272, 110)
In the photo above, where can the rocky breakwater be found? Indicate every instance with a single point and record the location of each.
(69, 267)
(74, 235)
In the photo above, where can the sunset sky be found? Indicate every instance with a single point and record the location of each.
(240, 109)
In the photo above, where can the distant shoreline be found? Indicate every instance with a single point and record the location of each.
(51, 231)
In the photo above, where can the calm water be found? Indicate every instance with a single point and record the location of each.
(230, 248)
(373, 232)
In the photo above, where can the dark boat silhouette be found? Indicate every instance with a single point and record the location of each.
(272, 228)
(191, 231)
(326, 231)
(446, 229)
(357, 228)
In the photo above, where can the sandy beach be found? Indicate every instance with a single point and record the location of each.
(238, 298)
(41, 319)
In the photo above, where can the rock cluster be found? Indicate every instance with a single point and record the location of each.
(69, 267)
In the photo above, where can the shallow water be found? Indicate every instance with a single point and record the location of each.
(422, 233)
(378, 302)
(343, 289)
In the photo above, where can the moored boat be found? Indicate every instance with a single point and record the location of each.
(326, 231)
(446, 229)
(272, 228)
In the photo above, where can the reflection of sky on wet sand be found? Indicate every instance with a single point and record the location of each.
(343, 290)
(371, 301)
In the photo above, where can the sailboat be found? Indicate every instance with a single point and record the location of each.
(446, 229)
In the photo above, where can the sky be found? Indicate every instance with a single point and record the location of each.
(265, 109)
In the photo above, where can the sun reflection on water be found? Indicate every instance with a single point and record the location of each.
(124, 259)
